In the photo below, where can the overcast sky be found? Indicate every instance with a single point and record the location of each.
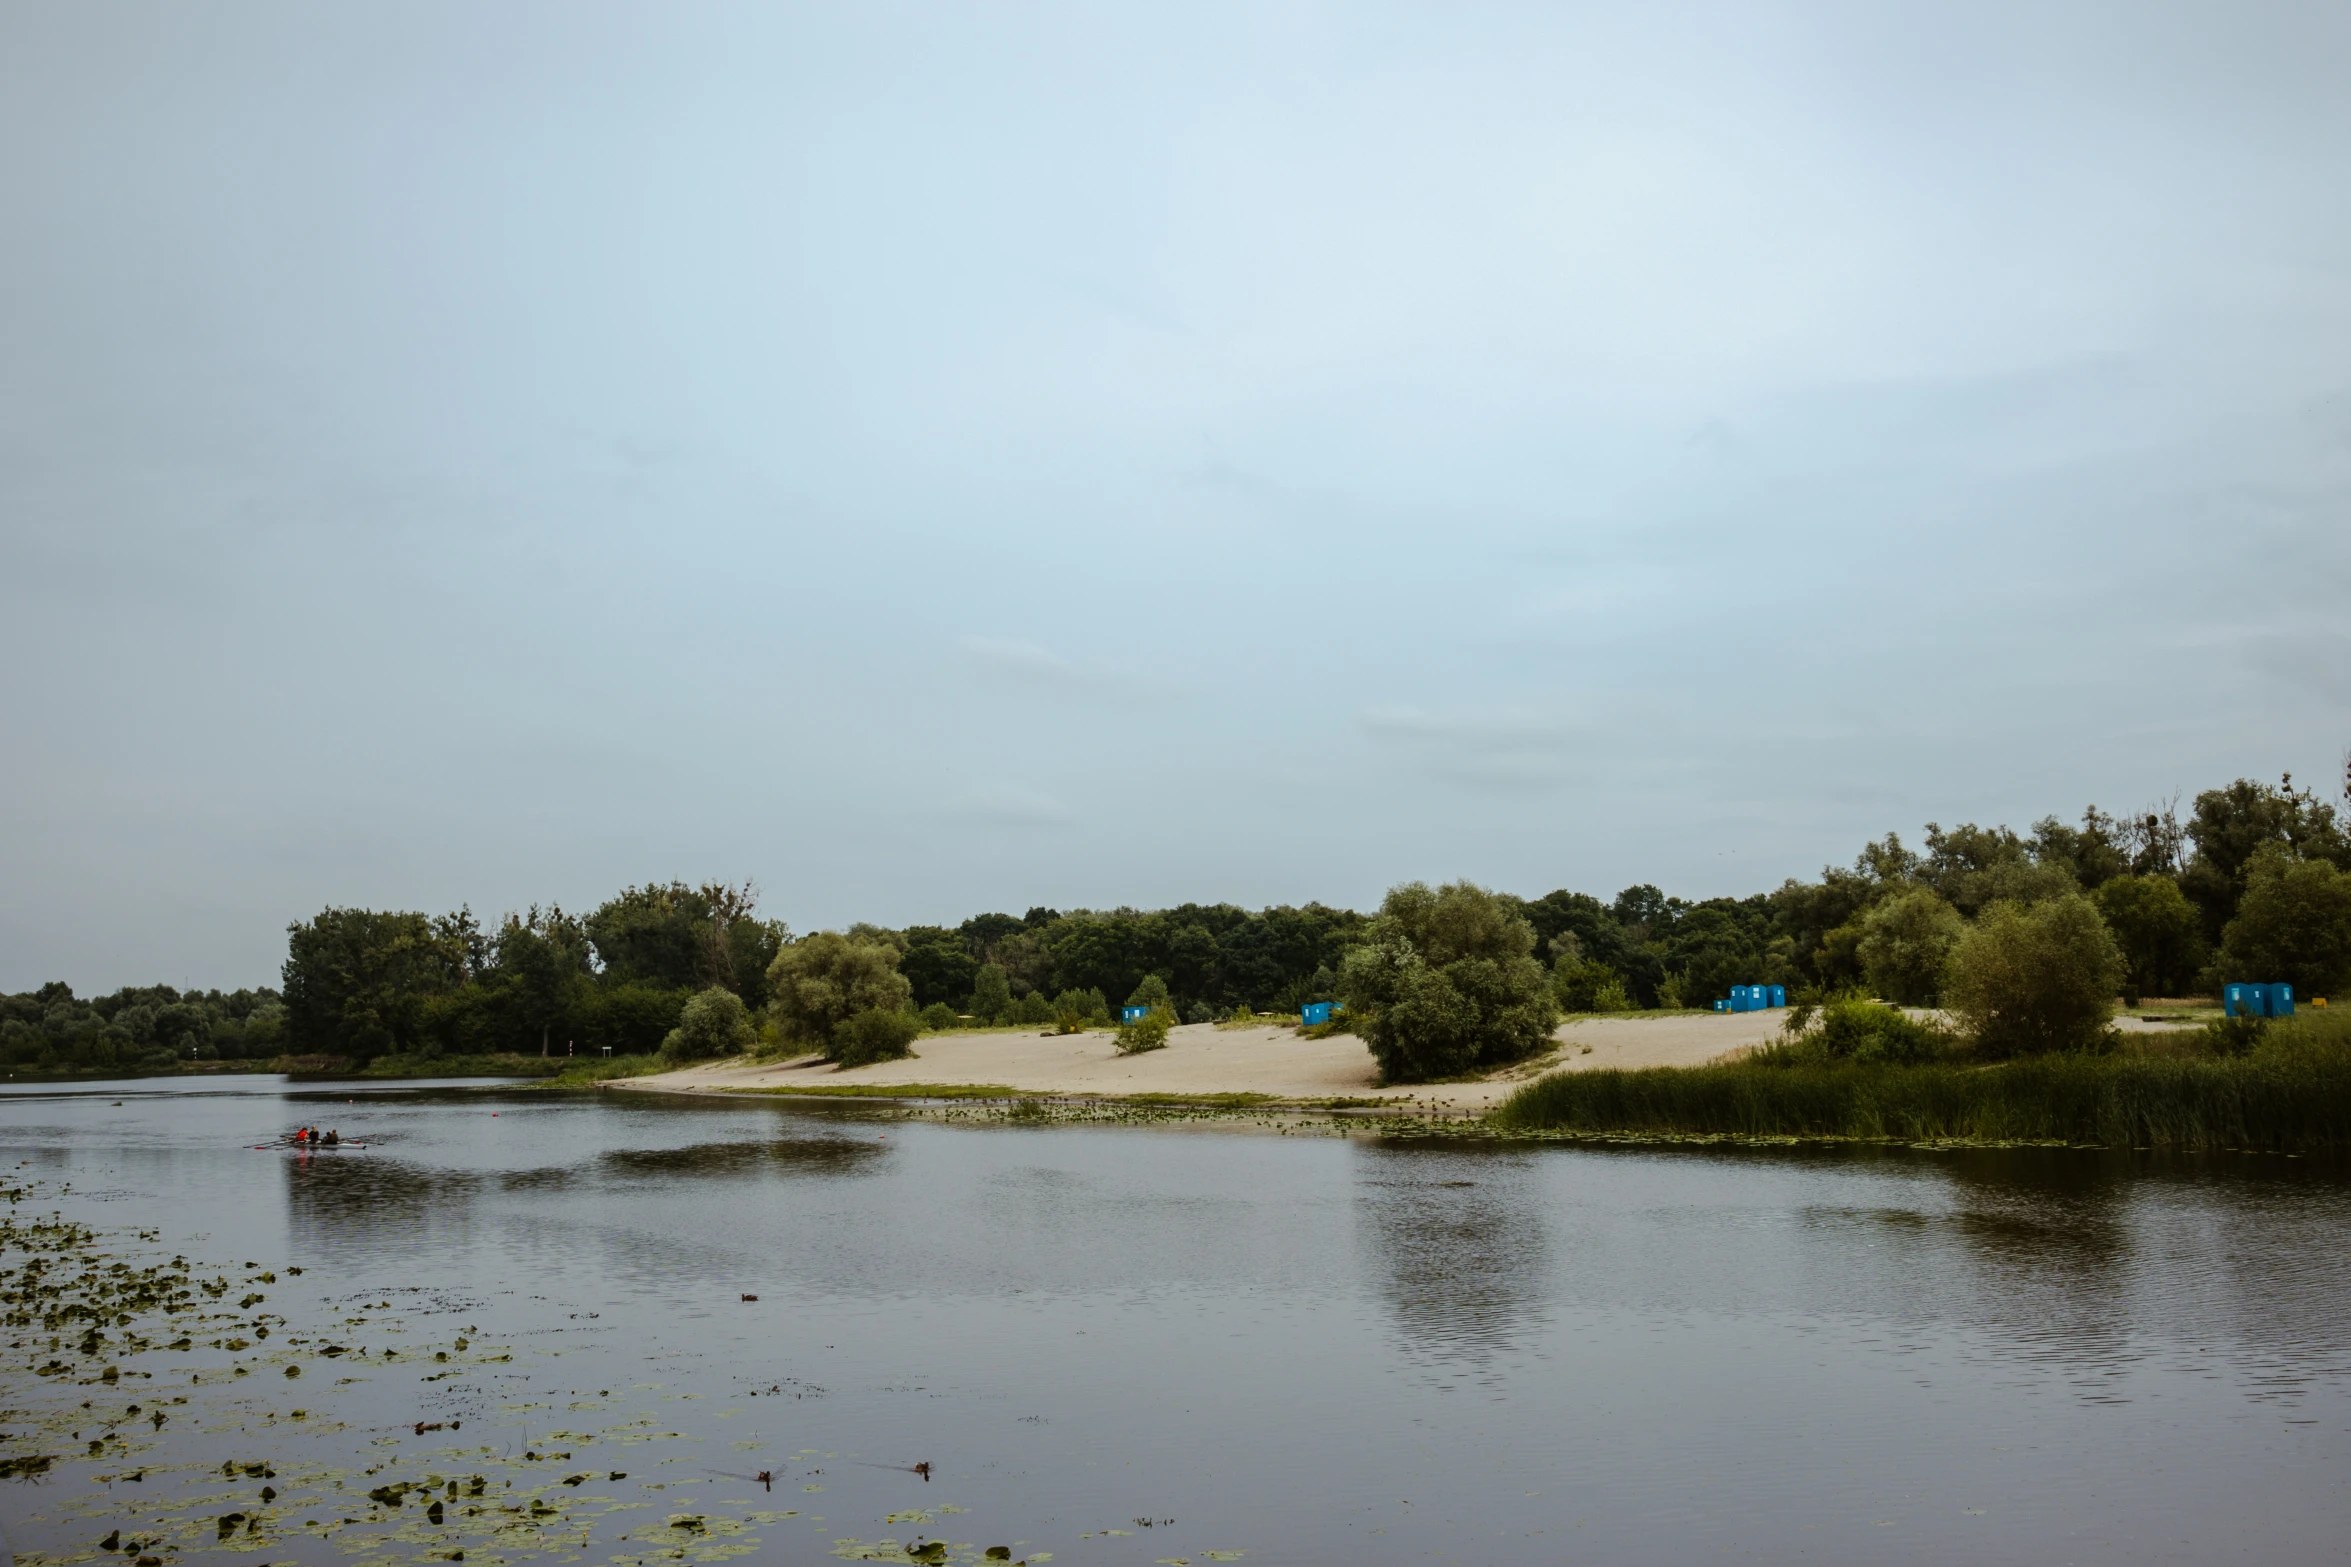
(930, 459)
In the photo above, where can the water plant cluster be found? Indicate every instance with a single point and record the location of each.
(157, 1410)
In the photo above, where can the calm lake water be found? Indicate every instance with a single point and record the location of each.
(1304, 1348)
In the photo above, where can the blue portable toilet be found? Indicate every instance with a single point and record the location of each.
(1779, 996)
(2244, 1001)
(1132, 1014)
(1315, 1014)
(1722, 1006)
(2281, 1000)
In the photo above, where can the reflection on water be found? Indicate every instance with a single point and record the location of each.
(1314, 1348)
(1455, 1240)
(790, 1155)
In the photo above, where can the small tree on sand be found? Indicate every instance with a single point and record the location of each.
(822, 981)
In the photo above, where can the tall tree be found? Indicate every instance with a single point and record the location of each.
(356, 979)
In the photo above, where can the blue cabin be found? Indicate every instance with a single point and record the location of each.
(2281, 1000)
(1316, 1013)
(1133, 1014)
(2247, 1000)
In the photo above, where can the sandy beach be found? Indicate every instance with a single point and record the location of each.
(1204, 1059)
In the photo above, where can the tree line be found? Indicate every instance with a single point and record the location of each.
(2249, 884)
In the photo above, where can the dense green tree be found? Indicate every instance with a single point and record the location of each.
(714, 1023)
(939, 965)
(2229, 826)
(1714, 945)
(1970, 867)
(629, 1019)
(539, 967)
(1446, 982)
(137, 1028)
(1905, 945)
(2027, 979)
(685, 937)
(2157, 930)
(2092, 854)
(991, 994)
(2292, 924)
(821, 981)
(356, 979)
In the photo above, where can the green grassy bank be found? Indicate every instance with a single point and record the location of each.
(2293, 1096)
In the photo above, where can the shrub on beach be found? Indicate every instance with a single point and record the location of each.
(1148, 1032)
(1853, 1028)
(1077, 1010)
(1446, 983)
(938, 1017)
(714, 1023)
(822, 981)
(876, 1034)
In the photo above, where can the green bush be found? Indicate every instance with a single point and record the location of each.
(875, 1034)
(939, 1017)
(1148, 1032)
(1029, 1009)
(2028, 979)
(1852, 1028)
(714, 1023)
(1445, 983)
(1074, 1011)
(2233, 1036)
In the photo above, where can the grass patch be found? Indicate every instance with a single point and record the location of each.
(587, 1074)
(2289, 1099)
(1236, 1101)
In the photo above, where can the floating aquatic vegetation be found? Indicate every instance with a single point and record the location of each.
(133, 1403)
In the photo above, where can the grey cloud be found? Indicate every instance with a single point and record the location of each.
(1113, 455)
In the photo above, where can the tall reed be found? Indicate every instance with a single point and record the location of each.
(2290, 1099)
